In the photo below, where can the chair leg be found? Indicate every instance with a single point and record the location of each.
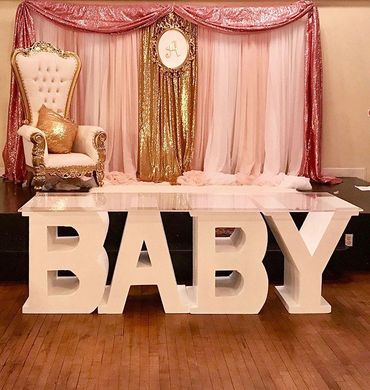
(29, 178)
(39, 181)
(99, 177)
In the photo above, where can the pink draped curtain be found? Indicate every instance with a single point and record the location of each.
(116, 19)
(232, 84)
(251, 102)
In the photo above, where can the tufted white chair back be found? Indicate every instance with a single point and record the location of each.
(46, 75)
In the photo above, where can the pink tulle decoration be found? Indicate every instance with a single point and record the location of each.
(115, 177)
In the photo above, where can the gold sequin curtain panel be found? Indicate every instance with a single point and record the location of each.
(167, 106)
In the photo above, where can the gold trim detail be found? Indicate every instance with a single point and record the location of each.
(43, 47)
(99, 145)
(174, 22)
(64, 172)
(38, 150)
(38, 163)
(70, 171)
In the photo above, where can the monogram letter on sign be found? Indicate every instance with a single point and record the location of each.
(174, 46)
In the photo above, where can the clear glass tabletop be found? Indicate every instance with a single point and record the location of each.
(188, 202)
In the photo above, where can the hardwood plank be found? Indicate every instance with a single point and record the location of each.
(36, 350)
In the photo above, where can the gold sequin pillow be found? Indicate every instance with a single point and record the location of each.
(60, 132)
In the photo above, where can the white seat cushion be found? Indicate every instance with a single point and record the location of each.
(65, 160)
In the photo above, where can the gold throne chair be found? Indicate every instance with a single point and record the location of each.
(47, 76)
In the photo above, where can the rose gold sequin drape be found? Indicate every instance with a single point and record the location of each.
(13, 155)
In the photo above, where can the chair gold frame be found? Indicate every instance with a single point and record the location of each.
(39, 170)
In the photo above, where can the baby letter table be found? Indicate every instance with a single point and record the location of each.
(306, 250)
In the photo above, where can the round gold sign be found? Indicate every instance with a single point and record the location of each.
(173, 48)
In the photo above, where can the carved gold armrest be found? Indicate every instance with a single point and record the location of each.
(99, 144)
(37, 138)
(90, 140)
(38, 150)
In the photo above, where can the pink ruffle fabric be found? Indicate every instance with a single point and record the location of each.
(111, 18)
(115, 19)
(244, 19)
(99, 18)
(200, 178)
(115, 177)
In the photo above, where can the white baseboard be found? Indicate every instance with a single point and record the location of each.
(345, 172)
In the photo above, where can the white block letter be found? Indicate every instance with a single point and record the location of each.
(84, 255)
(245, 290)
(306, 253)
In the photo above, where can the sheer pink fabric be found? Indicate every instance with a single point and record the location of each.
(112, 19)
(251, 102)
(248, 148)
(232, 78)
(285, 100)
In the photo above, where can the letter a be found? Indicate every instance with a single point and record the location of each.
(133, 268)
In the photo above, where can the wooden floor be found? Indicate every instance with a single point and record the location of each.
(144, 348)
